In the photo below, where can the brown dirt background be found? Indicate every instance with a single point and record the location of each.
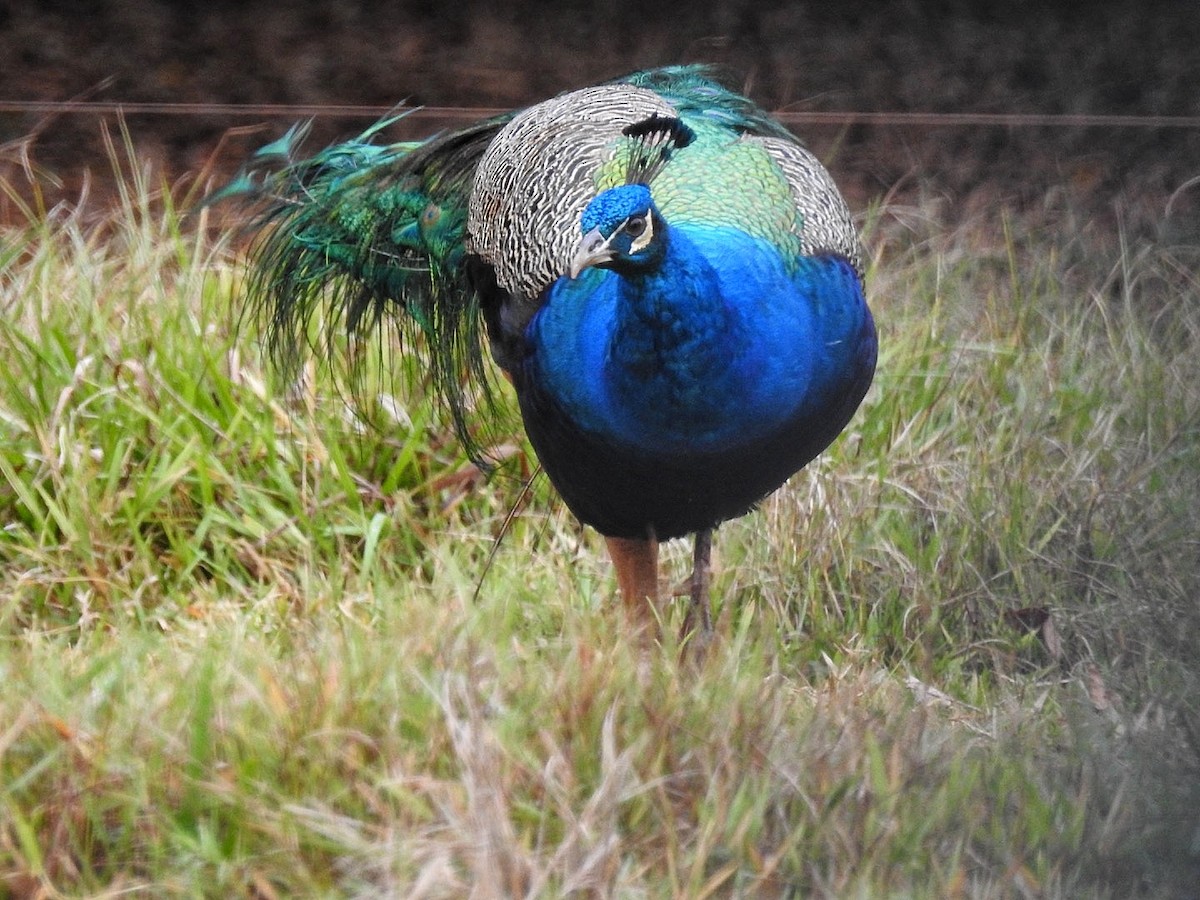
(1022, 57)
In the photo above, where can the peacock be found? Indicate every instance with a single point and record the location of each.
(672, 284)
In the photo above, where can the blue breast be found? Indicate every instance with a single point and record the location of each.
(729, 365)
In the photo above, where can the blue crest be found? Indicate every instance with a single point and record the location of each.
(612, 207)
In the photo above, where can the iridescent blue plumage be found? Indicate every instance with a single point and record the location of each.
(672, 283)
(704, 355)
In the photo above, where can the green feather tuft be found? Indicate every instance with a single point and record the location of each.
(362, 233)
(695, 91)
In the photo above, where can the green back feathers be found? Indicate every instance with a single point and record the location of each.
(718, 179)
(544, 167)
(745, 169)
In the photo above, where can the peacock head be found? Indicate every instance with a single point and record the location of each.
(622, 230)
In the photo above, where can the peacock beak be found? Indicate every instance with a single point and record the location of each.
(592, 250)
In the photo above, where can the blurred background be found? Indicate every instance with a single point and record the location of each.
(1078, 57)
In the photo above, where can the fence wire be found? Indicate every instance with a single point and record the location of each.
(472, 113)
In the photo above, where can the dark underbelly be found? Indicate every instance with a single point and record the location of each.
(626, 493)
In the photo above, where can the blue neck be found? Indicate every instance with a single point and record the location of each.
(674, 336)
(724, 341)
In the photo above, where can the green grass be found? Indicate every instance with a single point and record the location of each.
(249, 649)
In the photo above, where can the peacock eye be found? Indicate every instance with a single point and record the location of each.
(635, 226)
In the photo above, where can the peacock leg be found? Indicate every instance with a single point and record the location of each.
(636, 562)
(700, 613)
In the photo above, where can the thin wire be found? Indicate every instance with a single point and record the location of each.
(791, 117)
(103, 108)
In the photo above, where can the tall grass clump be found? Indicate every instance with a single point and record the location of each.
(252, 648)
